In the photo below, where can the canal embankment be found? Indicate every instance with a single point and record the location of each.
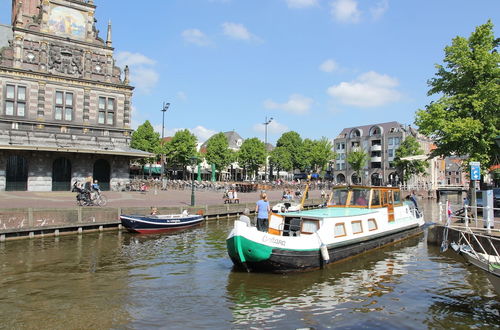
(38, 214)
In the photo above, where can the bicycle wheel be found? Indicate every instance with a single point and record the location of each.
(101, 200)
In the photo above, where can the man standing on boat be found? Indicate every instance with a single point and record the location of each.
(262, 209)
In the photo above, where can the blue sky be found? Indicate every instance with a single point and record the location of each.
(315, 66)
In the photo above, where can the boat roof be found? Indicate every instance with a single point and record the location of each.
(332, 212)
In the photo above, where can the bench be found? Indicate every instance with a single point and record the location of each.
(231, 200)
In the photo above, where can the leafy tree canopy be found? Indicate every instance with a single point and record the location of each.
(181, 148)
(218, 151)
(252, 154)
(465, 120)
(281, 159)
(294, 146)
(145, 138)
(319, 153)
(408, 168)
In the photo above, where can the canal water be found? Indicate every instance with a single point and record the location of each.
(185, 280)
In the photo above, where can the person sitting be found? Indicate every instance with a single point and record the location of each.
(235, 197)
(361, 201)
(154, 211)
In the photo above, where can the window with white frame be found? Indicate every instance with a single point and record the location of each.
(106, 114)
(15, 100)
(63, 106)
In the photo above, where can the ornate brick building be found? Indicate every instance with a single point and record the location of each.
(64, 105)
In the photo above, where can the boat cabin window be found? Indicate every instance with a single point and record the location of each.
(357, 228)
(360, 197)
(339, 197)
(372, 224)
(375, 198)
(292, 226)
(387, 197)
(339, 230)
(309, 226)
(397, 197)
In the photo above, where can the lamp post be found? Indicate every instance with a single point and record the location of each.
(194, 160)
(163, 110)
(267, 122)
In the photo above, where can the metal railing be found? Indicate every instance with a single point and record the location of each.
(469, 216)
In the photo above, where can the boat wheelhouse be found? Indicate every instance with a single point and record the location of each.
(355, 219)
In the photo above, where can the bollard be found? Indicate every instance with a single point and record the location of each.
(56, 232)
(80, 230)
(32, 234)
(101, 228)
(2, 238)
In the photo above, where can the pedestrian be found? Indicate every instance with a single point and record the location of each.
(262, 209)
(245, 217)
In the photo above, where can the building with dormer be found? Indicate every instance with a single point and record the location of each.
(380, 142)
(65, 107)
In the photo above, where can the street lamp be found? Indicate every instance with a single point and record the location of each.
(194, 161)
(267, 122)
(163, 110)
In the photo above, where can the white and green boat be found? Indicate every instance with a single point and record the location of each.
(356, 219)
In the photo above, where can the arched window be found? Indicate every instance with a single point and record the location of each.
(376, 180)
(375, 130)
(16, 173)
(355, 179)
(61, 174)
(341, 178)
(355, 133)
(102, 173)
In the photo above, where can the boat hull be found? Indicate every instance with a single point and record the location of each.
(254, 257)
(152, 225)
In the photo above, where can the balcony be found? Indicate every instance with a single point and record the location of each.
(376, 159)
(376, 147)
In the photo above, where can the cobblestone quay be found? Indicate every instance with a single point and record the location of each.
(30, 214)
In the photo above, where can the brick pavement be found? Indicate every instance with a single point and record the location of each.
(55, 199)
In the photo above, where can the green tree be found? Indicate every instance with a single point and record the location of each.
(252, 154)
(281, 159)
(465, 120)
(181, 149)
(146, 139)
(320, 153)
(294, 146)
(357, 160)
(408, 168)
(218, 152)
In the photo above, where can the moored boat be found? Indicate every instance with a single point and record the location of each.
(148, 224)
(489, 263)
(356, 219)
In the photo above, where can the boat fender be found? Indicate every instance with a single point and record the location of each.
(324, 252)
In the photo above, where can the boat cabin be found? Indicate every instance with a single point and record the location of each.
(345, 202)
(364, 197)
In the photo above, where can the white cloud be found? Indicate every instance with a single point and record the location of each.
(301, 3)
(142, 72)
(296, 104)
(196, 37)
(345, 11)
(238, 31)
(274, 127)
(371, 89)
(182, 96)
(202, 133)
(379, 10)
(328, 66)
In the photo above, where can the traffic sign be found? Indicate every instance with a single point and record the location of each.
(475, 171)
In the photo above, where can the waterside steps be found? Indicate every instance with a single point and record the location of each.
(41, 222)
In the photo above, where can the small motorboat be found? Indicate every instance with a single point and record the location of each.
(284, 207)
(159, 223)
(490, 263)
